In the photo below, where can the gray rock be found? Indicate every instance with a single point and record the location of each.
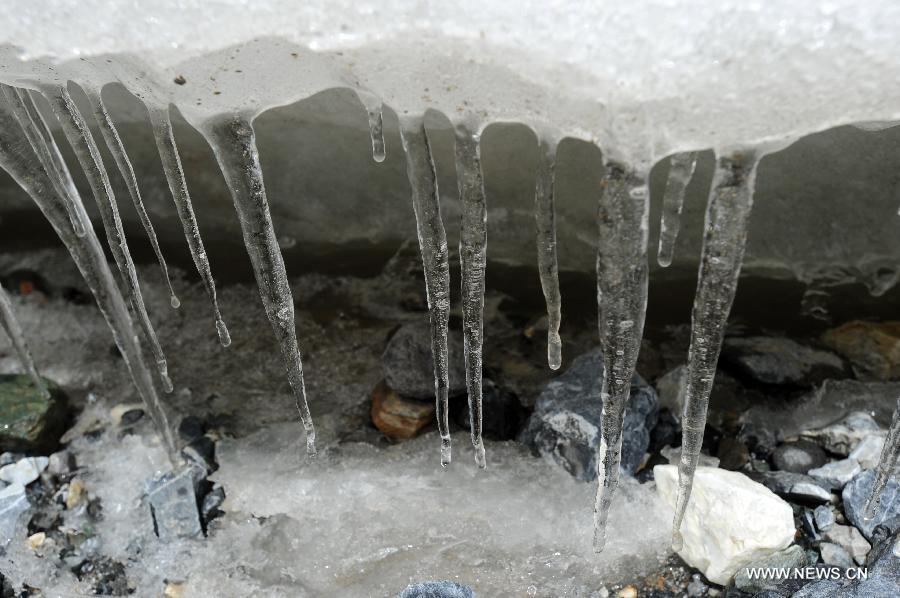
(809, 492)
(789, 558)
(842, 436)
(799, 456)
(211, 503)
(670, 388)
(833, 554)
(857, 491)
(851, 540)
(437, 589)
(673, 456)
(24, 471)
(824, 517)
(821, 589)
(13, 502)
(565, 425)
(795, 487)
(696, 587)
(61, 463)
(408, 366)
(781, 361)
(868, 451)
(837, 473)
(173, 504)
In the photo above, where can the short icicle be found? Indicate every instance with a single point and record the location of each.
(17, 338)
(545, 219)
(82, 141)
(622, 272)
(681, 170)
(234, 143)
(117, 149)
(91, 262)
(725, 234)
(887, 465)
(422, 176)
(171, 161)
(375, 111)
(472, 251)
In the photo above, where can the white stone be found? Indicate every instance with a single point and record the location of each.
(840, 471)
(24, 471)
(842, 436)
(730, 522)
(868, 451)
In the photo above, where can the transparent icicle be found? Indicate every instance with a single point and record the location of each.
(725, 234)
(171, 162)
(91, 262)
(17, 338)
(82, 141)
(472, 250)
(545, 219)
(622, 271)
(375, 111)
(234, 144)
(681, 169)
(887, 464)
(35, 128)
(433, 244)
(117, 149)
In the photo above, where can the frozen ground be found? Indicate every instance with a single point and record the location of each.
(366, 518)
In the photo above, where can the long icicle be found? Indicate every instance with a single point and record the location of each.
(433, 244)
(725, 234)
(17, 338)
(681, 169)
(82, 141)
(472, 252)
(545, 219)
(887, 464)
(90, 260)
(622, 272)
(171, 161)
(234, 144)
(117, 149)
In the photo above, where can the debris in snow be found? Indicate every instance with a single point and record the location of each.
(437, 589)
(173, 504)
(13, 502)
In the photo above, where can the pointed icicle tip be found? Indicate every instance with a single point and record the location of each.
(167, 385)
(554, 350)
(445, 452)
(175, 302)
(222, 330)
(311, 451)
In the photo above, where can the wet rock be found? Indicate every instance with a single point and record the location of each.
(105, 576)
(173, 504)
(832, 554)
(13, 503)
(798, 457)
(851, 540)
(873, 348)
(501, 414)
(61, 463)
(408, 366)
(730, 521)
(24, 471)
(837, 473)
(842, 436)
(437, 589)
(399, 417)
(733, 454)
(29, 421)
(565, 425)
(781, 361)
(790, 557)
(855, 495)
(824, 518)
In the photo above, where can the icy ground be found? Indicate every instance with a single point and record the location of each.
(366, 518)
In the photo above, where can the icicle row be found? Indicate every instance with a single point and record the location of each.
(725, 234)
(433, 244)
(887, 464)
(234, 144)
(681, 170)
(472, 249)
(622, 272)
(545, 219)
(117, 149)
(17, 338)
(171, 161)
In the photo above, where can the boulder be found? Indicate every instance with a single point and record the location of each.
(780, 361)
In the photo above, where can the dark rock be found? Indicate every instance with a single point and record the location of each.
(211, 503)
(173, 504)
(75, 295)
(666, 432)
(131, 417)
(191, 428)
(732, 453)
(408, 366)
(437, 589)
(781, 361)
(789, 558)
(501, 413)
(61, 463)
(824, 517)
(202, 451)
(565, 425)
(855, 495)
(105, 576)
(799, 456)
(794, 487)
(29, 421)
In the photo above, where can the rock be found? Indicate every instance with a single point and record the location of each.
(837, 473)
(173, 504)
(61, 463)
(673, 456)
(806, 492)
(565, 425)
(24, 471)
(35, 540)
(781, 361)
(798, 457)
(191, 427)
(211, 503)
(437, 589)
(670, 388)
(174, 589)
(408, 366)
(832, 554)
(501, 414)
(126, 414)
(399, 417)
(844, 435)
(75, 494)
(29, 421)
(873, 348)
(666, 432)
(789, 558)
(868, 451)
(795, 487)
(202, 451)
(105, 576)
(628, 591)
(851, 540)
(696, 587)
(13, 502)
(733, 454)
(855, 495)
(730, 521)
(824, 518)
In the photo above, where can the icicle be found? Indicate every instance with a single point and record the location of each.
(727, 217)
(79, 136)
(17, 338)
(375, 111)
(168, 153)
(472, 248)
(117, 149)
(887, 464)
(681, 169)
(622, 303)
(234, 144)
(433, 244)
(37, 133)
(90, 260)
(545, 218)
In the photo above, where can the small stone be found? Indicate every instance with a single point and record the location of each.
(398, 417)
(13, 502)
(799, 456)
(806, 491)
(781, 361)
(733, 454)
(851, 540)
(673, 456)
(173, 589)
(126, 414)
(868, 452)
(437, 589)
(628, 591)
(789, 558)
(857, 492)
(824, 518)
(730, 520)
(409, 368)
(832, 554)
(75, 494)
(104, 575)
(191, 428)
(842, 436)
(61, 463)
(873, 348)
(211, 503)
(173, 504)
(202, 451)
(795, 487)
(837, 473)
(35, 540)
(23, 471)
(29, 421)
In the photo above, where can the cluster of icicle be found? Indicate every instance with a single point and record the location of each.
(29, 153)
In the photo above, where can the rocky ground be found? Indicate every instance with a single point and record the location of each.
(796, 425)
